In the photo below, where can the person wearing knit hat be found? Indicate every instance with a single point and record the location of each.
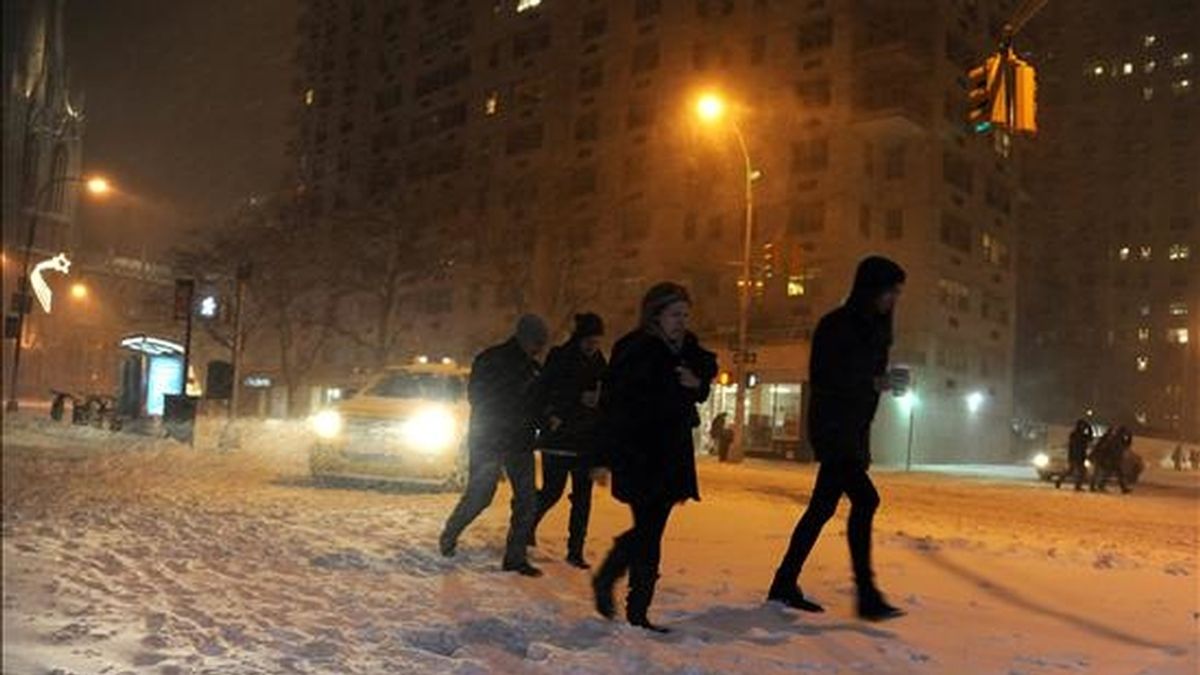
(658, 374)
(501, 436)
(569, 391)
(847, 372)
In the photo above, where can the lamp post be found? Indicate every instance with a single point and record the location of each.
(95, 185)
(711, 108)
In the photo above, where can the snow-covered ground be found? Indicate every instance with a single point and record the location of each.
(147, 557)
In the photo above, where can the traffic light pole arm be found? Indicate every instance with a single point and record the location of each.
(1021, 16)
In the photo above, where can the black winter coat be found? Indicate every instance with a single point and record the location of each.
(567, 375)
(648, 417)
(1077, 446)
(849, 351)
(501, 393)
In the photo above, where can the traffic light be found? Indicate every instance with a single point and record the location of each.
(986, 98)
(1024, 96)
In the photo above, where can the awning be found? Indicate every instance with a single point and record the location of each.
(153, 346)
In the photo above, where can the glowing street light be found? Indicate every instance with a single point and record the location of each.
(79, 291)
(99, 186)
(711, 108)
(974, 401)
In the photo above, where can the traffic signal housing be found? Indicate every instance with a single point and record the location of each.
(986, 98)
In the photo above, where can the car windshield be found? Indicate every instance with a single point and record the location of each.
(418, 385)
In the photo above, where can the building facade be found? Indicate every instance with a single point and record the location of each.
(1110, 286)
(547, 158)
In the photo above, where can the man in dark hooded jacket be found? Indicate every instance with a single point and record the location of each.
(1077, 448)
(501, 436)
(847, 372)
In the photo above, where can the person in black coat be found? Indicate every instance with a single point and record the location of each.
(1077, 450)
(501, 436)
(657, 376)
(847, 373)
(570, 387)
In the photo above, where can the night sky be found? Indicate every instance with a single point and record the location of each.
(186, 102)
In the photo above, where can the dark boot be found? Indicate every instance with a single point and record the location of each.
(637, 603)
(522, 568)
(447, 546)
(873, 607)
(791, 595)
(611, 569)
(575, 559)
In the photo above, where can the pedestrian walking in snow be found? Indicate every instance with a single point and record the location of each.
(657, 376)
(501, 436)
(1108, 459)
(1077, 447)
(1194, 458)
(848, 372)
(570, 388)
(721, 435)
(1177, 457)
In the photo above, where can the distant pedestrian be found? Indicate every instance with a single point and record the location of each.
(721, 436)
(1077, 449)
(1177, 457)
(848, 372)
(1194, 458)
(658, 374)
(501, 436)
(1108, 459)
(570, 387)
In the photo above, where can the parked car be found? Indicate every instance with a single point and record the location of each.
(408, 424)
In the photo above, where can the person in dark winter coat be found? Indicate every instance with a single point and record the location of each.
(1077, 450)
(657, 376)
(570, 388)
(847, 370)
(1107, 459)
(503, 416)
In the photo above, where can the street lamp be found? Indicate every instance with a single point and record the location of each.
(711, 108)
(79, 291)
(95, 185)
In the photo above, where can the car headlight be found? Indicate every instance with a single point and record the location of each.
(430, 431)
(327, 423)
(1041, 460)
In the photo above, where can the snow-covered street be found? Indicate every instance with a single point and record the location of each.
(154, 558)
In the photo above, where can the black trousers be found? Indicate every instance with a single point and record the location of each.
(638, 551)
(833, 480)
(484, 471)
(555, 470)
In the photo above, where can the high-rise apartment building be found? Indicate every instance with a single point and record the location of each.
(1110, 281)
(547, 158)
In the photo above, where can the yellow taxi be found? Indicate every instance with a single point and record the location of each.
(408, 424)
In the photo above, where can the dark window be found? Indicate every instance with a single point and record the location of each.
(893, 162)
(813, 35)
(388, 98)
(582, 181)
(956, 233)
(587, 127)
(644, 9)
(893, 226)
(641, 114)
(594, 24)
(524, 139)
(758, 49)
(814, 93)
(531, 41)
(956, 170)
(645, 57)
(442, 119)
(445, 76)
(806, 218)
(591, 76)
(810, 155)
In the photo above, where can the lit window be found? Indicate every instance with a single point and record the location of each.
(795, 286)
(1144, 310)
(1182, 59)
(492, 104)
(1178, 309)
(1127, 68)
(1141, 416)
(525, 5)
(309, 96)
(1178, 336)
(1150, 66)
(1143, 363)
(1181, 87)
(1144, 252)
(1098, 70)
(1143, 335)
(1179, 252)
(1149, 40)
(1123, 253)
(1147, 93)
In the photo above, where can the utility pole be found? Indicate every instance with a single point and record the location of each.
(243, 275)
